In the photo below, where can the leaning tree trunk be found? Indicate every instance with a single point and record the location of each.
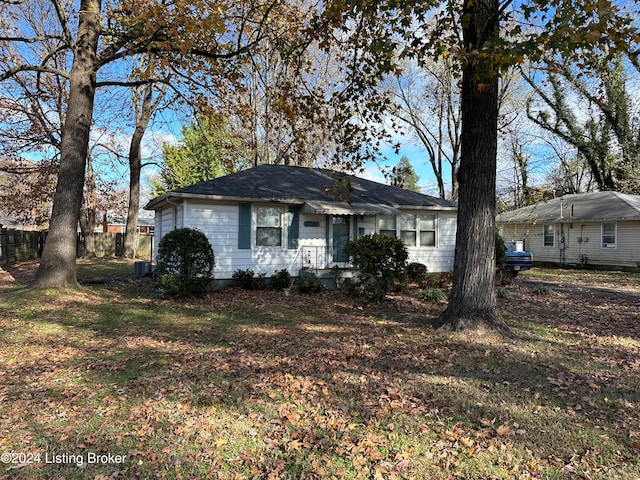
(473, 303)
(58, 264)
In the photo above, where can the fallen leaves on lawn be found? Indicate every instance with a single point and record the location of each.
(257, 385)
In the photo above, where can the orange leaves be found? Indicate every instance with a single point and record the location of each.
(503, 430)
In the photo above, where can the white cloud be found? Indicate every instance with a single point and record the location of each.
(372, 172)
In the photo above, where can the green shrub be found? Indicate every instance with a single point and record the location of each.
(434, 295)
(442, 280)
(503, 293)
(501, 252)
(309, 285)
(382, 260)
(185, 262)
(417, 272)
(542, 290)
(248, 280)
(280, 280)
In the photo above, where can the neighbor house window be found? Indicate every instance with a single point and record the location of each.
(387, 225)
(609, 235)
(269, 227)
(408, 229)
(549, 235)
(427, 230)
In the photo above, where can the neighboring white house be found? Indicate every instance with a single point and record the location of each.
(273, 217)
(597, 228)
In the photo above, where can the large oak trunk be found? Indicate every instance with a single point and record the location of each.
(473, 303)
(57, 266)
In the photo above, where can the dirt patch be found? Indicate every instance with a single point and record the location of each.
(18, 275)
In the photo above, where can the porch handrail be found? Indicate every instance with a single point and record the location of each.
(319, 257)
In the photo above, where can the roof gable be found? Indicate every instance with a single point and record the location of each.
(287, 184)
(582, 207)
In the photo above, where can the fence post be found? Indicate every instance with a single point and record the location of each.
(4, 247)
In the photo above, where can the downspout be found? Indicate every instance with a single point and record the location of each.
(561, 236)
(327, 240)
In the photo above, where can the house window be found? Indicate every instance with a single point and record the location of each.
(609, 235)
(412, 229)
(387, 225)
(549, 235)
(428, 231)
(408, 229)
(269, 227)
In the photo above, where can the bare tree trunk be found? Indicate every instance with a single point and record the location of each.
(57, 266)
(144, 109)
(473, 304)
(87, 225)
(88, 212)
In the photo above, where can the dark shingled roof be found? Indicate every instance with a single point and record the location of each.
(581, 207)
(300, 185)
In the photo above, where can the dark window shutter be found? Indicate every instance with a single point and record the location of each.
(244, 230)
(294, 227)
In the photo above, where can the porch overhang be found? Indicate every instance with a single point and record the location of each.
(341, 208)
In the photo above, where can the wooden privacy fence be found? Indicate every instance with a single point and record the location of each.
(20, 246)
(109, 244)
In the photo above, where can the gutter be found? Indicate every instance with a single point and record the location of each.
(167, 198)
(152, 204)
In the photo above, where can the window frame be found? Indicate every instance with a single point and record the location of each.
(545, 235)
(386, 231)
(609, 245)
(417, 231)
(281, 225)
(414, 230)
(434, 230)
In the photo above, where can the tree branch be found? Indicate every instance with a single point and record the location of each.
(64, 23)
(32, 68)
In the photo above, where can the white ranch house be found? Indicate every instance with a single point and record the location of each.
(272, 217)
(597, 228)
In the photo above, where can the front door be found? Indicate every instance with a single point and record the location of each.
(341, 230)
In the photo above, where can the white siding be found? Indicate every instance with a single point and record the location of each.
(220, 223)
(579, 239)
(439, 258)
(164, 223)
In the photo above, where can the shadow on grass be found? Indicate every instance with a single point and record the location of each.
(329, 358)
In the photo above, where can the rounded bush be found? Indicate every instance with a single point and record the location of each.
(309, 285)
(417, 272)
(280, 280)
(185, 262)
(248, 280)
(382, 260)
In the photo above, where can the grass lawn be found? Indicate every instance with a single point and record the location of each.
(258, 385)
